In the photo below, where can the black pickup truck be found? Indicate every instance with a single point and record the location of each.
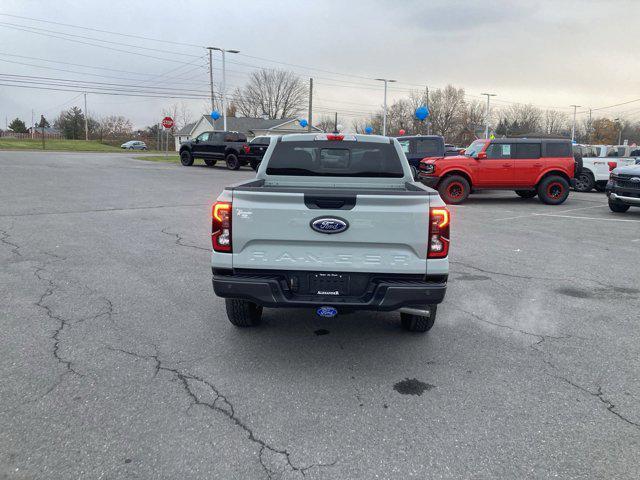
(214, 146)
(253, 152)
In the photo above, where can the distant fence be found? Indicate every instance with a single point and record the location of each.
(23, 136)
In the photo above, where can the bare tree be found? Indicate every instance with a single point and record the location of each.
(326, 124)
(447, 110)
(522, 118)
(554, 122)
(115, 126)
(271, 93)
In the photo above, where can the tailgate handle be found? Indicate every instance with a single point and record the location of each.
(330, 202)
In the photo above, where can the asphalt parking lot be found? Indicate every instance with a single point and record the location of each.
(118, 361)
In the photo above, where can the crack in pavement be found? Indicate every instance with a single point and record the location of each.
(541, 339)
(221, 404)
(600, 396)
(4, 239)
(62, 323)
(530, 277)
(179, 239)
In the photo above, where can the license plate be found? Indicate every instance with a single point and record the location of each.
(329, 284)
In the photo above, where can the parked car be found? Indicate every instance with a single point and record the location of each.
(214, 146)
(623, 188)
(253, 151)
(597, 163)
(543, 167)
(417, 147)
(134, 145)
(319, 227)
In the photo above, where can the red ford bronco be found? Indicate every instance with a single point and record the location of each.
(530, 166)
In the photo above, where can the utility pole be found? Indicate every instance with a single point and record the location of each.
(486, 119)
(213, 105)
(573, 125)
(384, 111)
(335, 124)
(42, 125)
(86, 118)
(310, 115)
(33, 125)
(589, 132)
(224, 86)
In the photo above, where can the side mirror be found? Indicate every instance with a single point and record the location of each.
(197, 140)
(481, 156)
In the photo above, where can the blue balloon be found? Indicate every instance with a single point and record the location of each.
(422, 113)
(368, 130)
(215, 115)
(303, 123)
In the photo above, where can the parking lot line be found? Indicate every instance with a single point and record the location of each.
(582, 208)
(586, 218)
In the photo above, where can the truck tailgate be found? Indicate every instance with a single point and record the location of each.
(386, 233)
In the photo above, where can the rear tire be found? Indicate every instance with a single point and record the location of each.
(600, 186)
(584, 182)
(419, 323)
(232, 162)
(243, 313)
(526, 193)
(618, 207)
(553, 190)
(209, 162)
(454, 189)
(414, 172)
(186, 158)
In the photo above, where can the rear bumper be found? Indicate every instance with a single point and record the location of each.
(428, 180)
(269, 291)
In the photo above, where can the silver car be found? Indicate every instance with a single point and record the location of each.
(134, 145)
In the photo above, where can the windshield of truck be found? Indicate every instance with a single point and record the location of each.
(335, 159)
(473, 149)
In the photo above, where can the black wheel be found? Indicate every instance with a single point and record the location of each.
(600, 186)
(209, 162)
(454, 189)
(419, 323)
(232, 162)
(526, 193)
(553, 190)
(144, 148)
(617, 206)
(585, 182)
(414, 172)
(243, 313)
(186, 158)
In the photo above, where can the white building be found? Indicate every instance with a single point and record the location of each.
(251, 127)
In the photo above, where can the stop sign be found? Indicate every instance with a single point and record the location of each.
(167, 122)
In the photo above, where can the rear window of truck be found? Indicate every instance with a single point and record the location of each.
(321, 158)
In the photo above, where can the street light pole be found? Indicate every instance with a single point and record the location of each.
(619, 123)
(384, 110)
(224, 86)
(213, 106)
(573, 125)
(486, 118)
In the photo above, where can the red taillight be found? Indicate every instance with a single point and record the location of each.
(221, 226)
(335, 137)
(246, 148)
(612, 165)
(439, 221)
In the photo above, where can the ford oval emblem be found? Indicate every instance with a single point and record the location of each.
(329, 225)
(327, 311)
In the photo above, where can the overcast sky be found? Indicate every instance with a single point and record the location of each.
(549, 53)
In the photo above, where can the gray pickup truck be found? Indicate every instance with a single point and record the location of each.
(332, 222)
